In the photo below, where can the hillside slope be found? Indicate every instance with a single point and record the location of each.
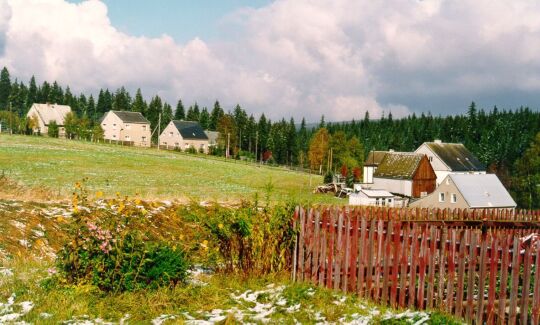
(51, 166)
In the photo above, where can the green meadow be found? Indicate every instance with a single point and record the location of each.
(54, 165)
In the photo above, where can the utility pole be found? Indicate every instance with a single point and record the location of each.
(10, 119)
(228, 143)
(256, 145)
(159, 130)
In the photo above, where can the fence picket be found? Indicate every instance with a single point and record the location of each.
(516, 254)
(482, 278)
(536, 291)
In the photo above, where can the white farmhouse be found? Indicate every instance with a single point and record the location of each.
(184, 135)
(450, 158)
(47, 113)
(131, 127)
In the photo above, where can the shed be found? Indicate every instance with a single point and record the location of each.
(405, 173)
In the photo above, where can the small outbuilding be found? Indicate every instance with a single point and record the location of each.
(183, 135)
(44, 114)
(405, 174)
(469, 191)
(129, 127)
(367, 197)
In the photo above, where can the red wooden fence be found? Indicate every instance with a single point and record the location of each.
(477, 265)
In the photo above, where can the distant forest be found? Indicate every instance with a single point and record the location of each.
(506, 141)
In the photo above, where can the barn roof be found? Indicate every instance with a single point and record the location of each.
(377, 193)
(190, 130)
(374, 158)
(131, 117)
(52, 112)
(483, 190)
(398, 165)
(456, 156)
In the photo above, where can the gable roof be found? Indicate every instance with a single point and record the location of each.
(399, 165)
(131, 117)
(51, 112)
(456, 156)
(483, 190)
(190, 130)
(374, 158)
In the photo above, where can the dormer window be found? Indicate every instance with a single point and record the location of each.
(441, 197)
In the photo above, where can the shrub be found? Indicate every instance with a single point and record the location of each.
(248, 239)
(328, 177)
(53, 130)
(110, 249)
(191, 150)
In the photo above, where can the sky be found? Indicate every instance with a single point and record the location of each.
(285, 58)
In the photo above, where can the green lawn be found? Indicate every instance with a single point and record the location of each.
(56, 164)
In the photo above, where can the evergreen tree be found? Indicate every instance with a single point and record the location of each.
(179, 113)
(215, 116)
(56, 94)
(154, 109)
(91, 108)
(5, 89)
(139, 104)
(166, 116)
(32, 93)
(204, 118)
(121, 100)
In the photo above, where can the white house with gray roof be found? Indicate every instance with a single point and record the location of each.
(470, 191)
(131, 127)
(182, 135)
(47, 113)
(450, 158)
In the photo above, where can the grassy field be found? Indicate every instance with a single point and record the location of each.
(54, 165)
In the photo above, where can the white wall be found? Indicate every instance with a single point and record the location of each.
(399, 186)
(368, 174)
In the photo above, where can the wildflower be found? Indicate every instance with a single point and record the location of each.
(91, 226)
(77, 185)
(99, 194)
(121, 207)
(220, 226)
(52, 271)
(138, 202)
(75, 209)
(204, 244)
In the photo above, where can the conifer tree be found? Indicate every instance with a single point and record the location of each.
(139, 105)
(179, 113)
(215, 116)
(5, 89)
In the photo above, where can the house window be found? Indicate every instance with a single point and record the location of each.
(383, 201)
(104, 124)
(143, 139)
(430, 158)
(389, 201)
(114, 136)
(186, 145)
(441, 197)
(144, 127)
(377, 203)
(114, 126)
(171, 134)
(127, 137)
(447, 181)
(176, 145)
(453, 198)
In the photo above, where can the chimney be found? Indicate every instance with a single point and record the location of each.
(437, 141)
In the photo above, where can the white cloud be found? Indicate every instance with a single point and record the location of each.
(297, 58)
